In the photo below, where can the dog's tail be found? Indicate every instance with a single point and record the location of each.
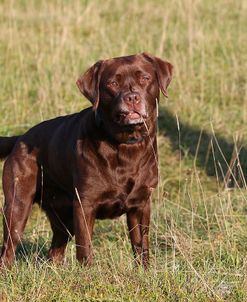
(6, 145)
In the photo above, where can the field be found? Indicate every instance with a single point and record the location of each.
(199, 215)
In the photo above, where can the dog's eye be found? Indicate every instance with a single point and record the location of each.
(144, 79)
(112, 84)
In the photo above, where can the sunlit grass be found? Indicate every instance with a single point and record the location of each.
(199, 227)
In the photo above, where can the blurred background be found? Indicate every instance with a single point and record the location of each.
(199, 229)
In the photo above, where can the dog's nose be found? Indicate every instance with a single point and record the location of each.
(132, 98)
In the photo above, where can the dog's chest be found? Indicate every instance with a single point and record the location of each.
(125, 190)
(114, 202)
(122, 180)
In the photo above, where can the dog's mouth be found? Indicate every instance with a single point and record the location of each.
(129, 118)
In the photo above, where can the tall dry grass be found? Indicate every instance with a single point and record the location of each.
(199, 227)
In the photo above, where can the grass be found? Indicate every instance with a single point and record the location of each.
(199, 225)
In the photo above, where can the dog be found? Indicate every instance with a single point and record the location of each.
(96, 164)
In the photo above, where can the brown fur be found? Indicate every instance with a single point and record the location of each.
(98, 163)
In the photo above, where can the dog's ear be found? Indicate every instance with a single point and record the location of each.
(163, 71)
(88, 83)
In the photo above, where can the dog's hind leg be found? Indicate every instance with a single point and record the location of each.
(58, 207)
(19, 185)
(61, 220)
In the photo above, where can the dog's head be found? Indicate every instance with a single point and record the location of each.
(124, 90)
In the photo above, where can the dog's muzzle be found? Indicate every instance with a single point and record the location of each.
(129, 118)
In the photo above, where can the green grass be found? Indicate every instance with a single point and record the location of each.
(199, 226)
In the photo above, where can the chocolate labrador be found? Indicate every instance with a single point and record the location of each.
(98, 163)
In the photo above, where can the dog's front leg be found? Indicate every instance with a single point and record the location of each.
(138, 224)
(84, 217)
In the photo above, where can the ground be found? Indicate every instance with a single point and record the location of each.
(199, 221)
